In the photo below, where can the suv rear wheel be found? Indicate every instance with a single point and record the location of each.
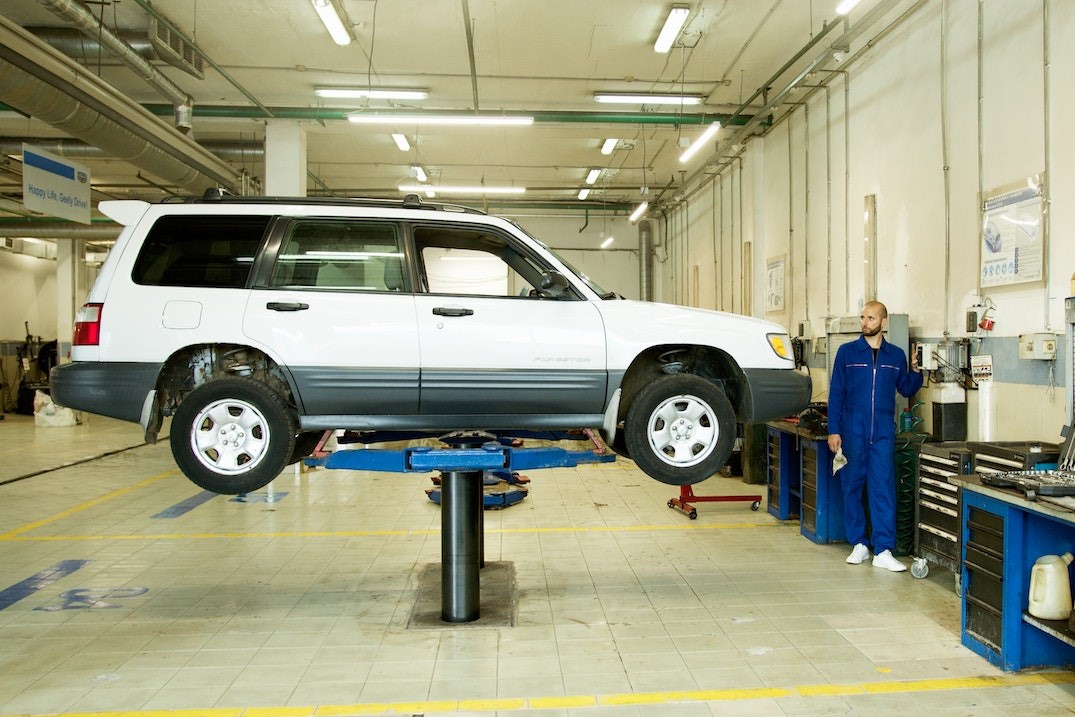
(680, 429)
(232, 435)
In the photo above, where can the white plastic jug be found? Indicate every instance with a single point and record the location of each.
(1050, 588)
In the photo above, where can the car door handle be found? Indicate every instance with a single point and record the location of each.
(452, 311)
(286, 306)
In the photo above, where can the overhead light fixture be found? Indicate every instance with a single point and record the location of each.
(464, 120)
(710, 131)
(401, 141)
(592, 176)
(846, 6)
(330, 16)
(420, 173)
(677, 17)
(584, 192)
(638, 212)
(647, 98)
(609, 145)
(462, 189)
(377, 93)
(607, 242)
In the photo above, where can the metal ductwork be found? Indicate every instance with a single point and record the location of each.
(43, 83)
(75, 149)
(102, 231)
(80, 16)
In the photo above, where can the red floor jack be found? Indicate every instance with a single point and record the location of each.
(687, 496)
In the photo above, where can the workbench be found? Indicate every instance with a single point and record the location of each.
(1003, 533)
(801, 483)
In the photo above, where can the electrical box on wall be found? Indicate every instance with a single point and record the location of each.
(1037, 346)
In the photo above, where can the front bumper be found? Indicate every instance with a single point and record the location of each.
(113, 389)
(774, 393)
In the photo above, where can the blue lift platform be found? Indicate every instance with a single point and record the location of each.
(462, 466)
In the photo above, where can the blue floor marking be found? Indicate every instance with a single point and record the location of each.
(187, 505)
(258, 497)
(11, 595)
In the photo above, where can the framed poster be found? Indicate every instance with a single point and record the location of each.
(1013, 239)
(774, 284)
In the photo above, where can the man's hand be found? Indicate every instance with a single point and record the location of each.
(914, 358)
(835, 442)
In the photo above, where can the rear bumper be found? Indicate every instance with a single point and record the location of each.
(117, 390)
(774, 393)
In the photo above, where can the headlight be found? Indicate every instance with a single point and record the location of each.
(781, 344)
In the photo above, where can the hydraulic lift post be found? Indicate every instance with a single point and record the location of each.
(462, 468)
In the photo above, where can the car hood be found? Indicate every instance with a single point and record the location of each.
(629, 323)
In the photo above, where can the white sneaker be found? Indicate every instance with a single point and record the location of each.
(858, 555)
(885, 560)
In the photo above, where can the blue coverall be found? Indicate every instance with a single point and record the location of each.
(862, 409)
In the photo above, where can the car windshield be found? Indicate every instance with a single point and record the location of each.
(593, 286)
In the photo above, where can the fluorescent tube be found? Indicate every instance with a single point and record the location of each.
(677, 16)
(700, 142)
(327, 12)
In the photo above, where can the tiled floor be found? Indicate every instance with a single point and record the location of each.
(124, 590)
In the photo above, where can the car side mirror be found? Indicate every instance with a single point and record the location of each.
(554, 284)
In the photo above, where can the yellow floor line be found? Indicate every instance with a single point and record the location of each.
(88, 504)
(16, 535)
(610, 700)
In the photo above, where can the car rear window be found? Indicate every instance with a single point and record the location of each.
(194, 250)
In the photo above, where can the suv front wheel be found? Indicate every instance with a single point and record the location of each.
(232, 435)
(680, 429)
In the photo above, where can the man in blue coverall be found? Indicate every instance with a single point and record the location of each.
(866, 375)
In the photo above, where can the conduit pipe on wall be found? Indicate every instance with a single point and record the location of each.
(645, 260)
(43, 83)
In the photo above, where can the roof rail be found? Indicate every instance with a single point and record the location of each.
(215, 195)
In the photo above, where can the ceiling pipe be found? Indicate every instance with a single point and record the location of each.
(77, 149)
(80, 16)
(61, 230)
(563, 117)
(76, 44)
(45, 84)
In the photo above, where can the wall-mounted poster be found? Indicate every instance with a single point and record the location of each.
(774, 284)
(1012, 235)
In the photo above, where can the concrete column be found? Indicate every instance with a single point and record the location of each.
(68, 293)
(285, 159)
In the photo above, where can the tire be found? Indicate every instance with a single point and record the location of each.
(232, 435)
(680, 429)
(305, 443)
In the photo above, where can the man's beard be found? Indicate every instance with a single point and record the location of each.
(871, 332)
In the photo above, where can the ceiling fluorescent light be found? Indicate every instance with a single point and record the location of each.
(592, 176)
(650, 98)
(609, 145)
(326, 10)
(677, 16)
(461, 189)
(464, 120)
(584, 192)
(638, 212)
(401, 141)
(607, 242)
(381, 93)
(419, 173)
(846, 6)
(710, 131)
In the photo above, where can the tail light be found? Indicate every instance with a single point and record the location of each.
(88, 325)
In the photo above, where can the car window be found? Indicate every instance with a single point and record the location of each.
(341, 255)
(199, 250)
(472, 262)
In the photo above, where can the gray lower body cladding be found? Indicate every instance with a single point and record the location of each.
(774, 393)
(113, 389)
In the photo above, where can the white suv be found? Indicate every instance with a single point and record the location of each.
(260, 323)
